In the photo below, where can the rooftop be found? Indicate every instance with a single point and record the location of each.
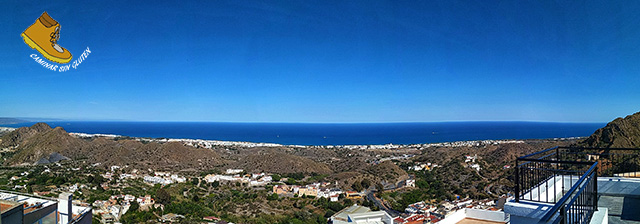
(36, 208)
(8, 205)
(477, 221)
(361, 215)
(577, 185)
(621, 209)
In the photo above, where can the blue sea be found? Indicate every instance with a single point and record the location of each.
(333, 134)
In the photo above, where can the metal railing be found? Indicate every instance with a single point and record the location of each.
(546, 175)
(583, 203)
(567, 178)
(612, 162)
(578, 204)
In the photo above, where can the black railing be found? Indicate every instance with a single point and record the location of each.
(579, 203)
(547, 175)
(583, 203)
(567, 178)
(612, 162)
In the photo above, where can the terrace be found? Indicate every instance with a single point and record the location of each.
(577, 185)
(23, 208)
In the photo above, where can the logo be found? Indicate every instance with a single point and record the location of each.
(43, 35)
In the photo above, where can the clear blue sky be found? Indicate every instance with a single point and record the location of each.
(328, 61)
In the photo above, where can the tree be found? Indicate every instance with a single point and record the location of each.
(365, 183)
(291, 181)
(196, 198)
(357, 186)
(275, 177)
(133, 207)
(163, 197)
(272, 197)
(379, 187)
(96, 180)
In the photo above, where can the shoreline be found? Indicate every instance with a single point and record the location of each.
(204, 143)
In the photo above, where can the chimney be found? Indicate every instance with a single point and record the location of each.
(64, 207)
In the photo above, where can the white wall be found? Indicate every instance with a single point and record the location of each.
(488, 215)
(547, 190)
(530, 212)
(454, 218)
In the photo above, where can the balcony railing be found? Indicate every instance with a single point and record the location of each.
(582, 204)
(567, 178)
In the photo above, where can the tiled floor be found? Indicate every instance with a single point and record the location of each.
(621, 209)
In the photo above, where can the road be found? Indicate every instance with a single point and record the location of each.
(378, 202)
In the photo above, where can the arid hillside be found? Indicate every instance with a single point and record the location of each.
(619, 133)
(30, 144)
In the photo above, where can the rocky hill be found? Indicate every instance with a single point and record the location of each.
(619, 133)
(16, 137)
(40, 143)
(387, 170)
(274, 161)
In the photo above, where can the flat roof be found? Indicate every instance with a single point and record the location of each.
(343, 215)
(476, 221)
(33, 202)
(8, 205)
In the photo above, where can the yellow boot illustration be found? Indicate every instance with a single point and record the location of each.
(43, 36)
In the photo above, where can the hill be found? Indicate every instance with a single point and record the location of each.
(619, 133)
(274, 161)
(16, 137)
(41, 143)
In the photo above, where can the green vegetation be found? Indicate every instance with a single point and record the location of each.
(428, 187)
(133, 215)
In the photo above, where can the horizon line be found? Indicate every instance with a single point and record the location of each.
(32, 119)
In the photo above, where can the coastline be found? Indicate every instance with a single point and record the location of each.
(204, 143)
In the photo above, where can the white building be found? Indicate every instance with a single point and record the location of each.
(234, 171)
(469, 215)
(410, 183)
(178, 179)
(157, 180)
(361, 215)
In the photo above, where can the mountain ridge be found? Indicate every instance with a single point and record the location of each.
(40, 143)
(619, 133)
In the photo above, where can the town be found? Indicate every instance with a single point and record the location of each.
(112, 192)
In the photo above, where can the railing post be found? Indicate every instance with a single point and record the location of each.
(563, 215)
(517, 180)
(595, 187)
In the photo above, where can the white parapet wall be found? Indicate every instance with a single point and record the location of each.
(526, 212)
(454, 218)
(549, 191)
(486, 215)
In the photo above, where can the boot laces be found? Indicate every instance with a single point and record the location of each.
(55, 36)
(54, 40)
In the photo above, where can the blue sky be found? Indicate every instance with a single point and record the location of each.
(329, 61)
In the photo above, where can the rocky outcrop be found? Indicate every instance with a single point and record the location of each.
(619, 133)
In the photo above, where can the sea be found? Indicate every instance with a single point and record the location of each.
(332, 134)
